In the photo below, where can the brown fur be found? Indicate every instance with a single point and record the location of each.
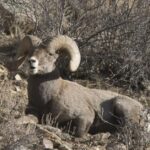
(90, 110)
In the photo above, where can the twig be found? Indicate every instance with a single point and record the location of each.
(100, 31)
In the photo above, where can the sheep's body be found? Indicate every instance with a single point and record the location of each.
(52, 97)
(89, 110)
(67, 100)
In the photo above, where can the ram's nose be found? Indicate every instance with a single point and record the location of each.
(33, 62)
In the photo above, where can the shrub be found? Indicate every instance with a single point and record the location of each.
(113, 37)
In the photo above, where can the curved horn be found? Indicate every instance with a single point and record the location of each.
(62, 42)
(26, 47)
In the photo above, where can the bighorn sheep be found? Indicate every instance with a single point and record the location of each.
(90, 110)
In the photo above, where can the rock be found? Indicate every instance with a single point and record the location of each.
(3, 72)
(18, 147)
(57, 131)
(17, 89)
(27, 142)
(65, 146)
(148, 124)
(104, 138)
(98, 148)
(47, 144)
(148, 128)
(2, 69)
(17, 77)
(51, 136)
(21, 147)
(1, 138)
(27, 119)
(116, 146)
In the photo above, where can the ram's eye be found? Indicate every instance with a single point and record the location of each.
(50, 54)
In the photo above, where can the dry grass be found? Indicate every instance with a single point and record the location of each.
(132, 136)
(114, 44)
(113, 39)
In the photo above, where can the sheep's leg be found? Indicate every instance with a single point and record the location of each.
(33, 111)
(83, 125)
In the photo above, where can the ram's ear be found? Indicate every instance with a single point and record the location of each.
(26, 48)
(21, 54)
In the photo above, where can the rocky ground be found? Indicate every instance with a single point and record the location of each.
(21, 133)
(16, 134)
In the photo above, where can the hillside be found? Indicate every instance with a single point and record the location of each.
(113, 39)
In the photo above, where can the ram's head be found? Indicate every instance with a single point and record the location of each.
(42, 58)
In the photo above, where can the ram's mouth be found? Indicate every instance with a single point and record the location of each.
(33, 70)
(32, 67)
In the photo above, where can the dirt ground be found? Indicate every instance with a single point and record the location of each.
(122, 43)
(17, 135)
